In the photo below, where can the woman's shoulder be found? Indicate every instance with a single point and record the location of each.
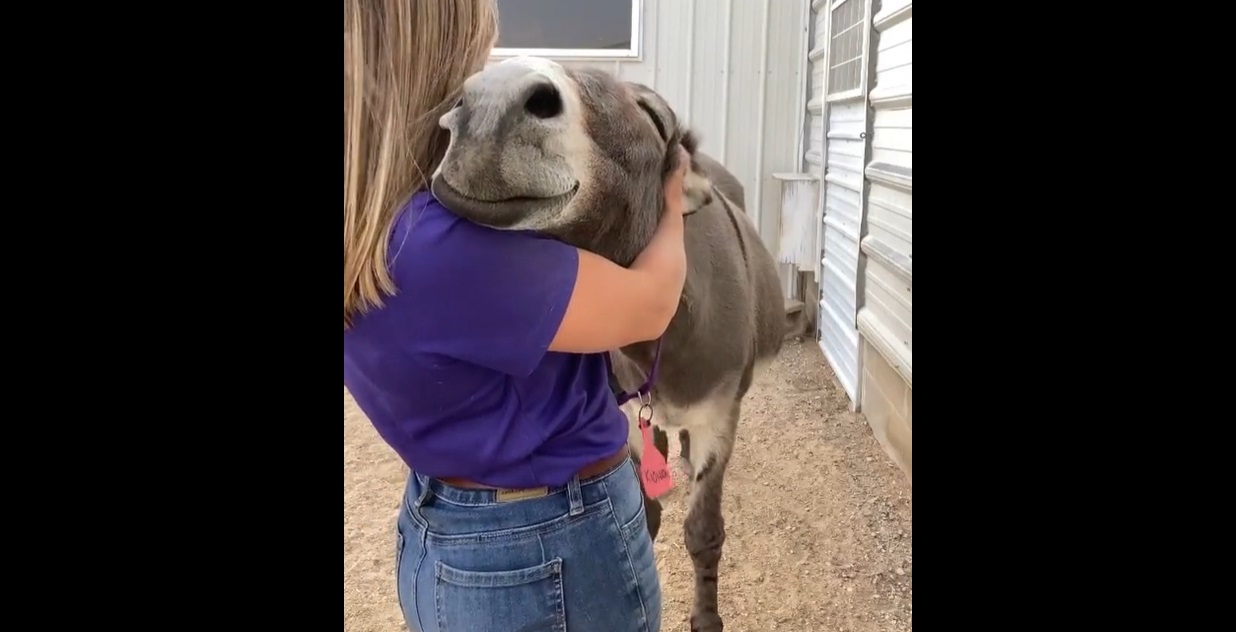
(428, 234)
(422, 219)
(485, 296)
(426, 227)
(428, 239)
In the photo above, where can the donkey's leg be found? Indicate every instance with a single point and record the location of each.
(661, 440)
(684, 453)
(711, 443)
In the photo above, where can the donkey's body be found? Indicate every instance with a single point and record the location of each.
(732, 309)
(603, 167)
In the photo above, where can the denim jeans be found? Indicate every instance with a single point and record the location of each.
(577, 559)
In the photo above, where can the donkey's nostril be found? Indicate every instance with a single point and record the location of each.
(544, 102)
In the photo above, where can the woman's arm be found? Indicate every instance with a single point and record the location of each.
(612, 306)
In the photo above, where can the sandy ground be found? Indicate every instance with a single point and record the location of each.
(819, 520)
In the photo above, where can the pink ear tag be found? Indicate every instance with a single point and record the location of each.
(654, 472)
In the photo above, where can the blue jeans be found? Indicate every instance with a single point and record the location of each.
(577, 559)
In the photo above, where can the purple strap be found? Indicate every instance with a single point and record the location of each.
(646, 387)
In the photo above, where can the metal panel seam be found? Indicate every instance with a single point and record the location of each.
(759, 136)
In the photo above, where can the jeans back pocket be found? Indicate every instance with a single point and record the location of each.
(524, 600)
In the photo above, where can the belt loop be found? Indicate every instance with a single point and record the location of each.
(423, 497)
(575, 496)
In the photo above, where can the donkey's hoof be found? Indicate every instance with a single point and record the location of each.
(706, 622)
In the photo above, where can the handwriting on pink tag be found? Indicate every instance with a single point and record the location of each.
(653, 470)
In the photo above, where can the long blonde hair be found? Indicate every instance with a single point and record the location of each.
(404, 64)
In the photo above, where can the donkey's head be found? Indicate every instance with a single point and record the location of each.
(576, 154)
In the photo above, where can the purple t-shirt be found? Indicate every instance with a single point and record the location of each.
(454, 371)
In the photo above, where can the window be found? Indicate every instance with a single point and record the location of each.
(569, 28)
(845, 53)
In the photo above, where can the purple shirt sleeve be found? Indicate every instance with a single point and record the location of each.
(491, 298)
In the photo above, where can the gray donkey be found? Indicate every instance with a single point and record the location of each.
(581, 156)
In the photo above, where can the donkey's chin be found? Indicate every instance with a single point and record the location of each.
(514, 213)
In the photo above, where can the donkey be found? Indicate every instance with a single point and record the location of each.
(582, 156)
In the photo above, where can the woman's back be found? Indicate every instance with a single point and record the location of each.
(454, 371)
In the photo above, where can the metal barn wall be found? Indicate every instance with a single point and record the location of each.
(817, 63)
(846, 40)
(731, 69)
(810, 174)
(886, 317)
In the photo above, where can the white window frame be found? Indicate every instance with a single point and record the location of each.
(634, 52)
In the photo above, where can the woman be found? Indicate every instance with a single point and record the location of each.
(479, 357)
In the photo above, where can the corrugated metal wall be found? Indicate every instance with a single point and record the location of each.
(813, 148)
(817, 60)
(843, 52)
(732, 69)
(886, 318)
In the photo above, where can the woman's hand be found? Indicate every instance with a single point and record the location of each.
(675, 201)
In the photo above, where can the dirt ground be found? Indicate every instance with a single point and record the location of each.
(818, 519)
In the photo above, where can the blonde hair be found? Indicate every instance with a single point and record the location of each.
(404, 65)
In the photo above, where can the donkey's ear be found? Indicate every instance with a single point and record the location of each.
(696, 185)
(696, 189)
(658, 110)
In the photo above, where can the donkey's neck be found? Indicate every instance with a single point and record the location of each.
(620, 235)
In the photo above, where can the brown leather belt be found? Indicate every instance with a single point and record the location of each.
(589, 471)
